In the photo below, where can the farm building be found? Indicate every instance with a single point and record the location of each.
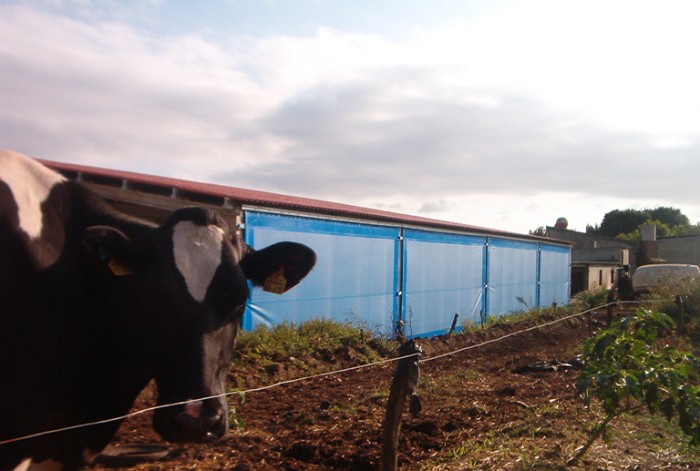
(595, 260)
(376, 269)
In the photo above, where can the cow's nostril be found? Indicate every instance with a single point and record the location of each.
(194, 424)
(216, 425)
(194, 409)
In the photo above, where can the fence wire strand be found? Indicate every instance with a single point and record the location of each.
(513, 334)
(296, 380)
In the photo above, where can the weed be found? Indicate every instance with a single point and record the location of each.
(315, 338)
(588, 300)
(235, 421)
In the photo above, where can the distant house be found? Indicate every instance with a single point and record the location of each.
(595, 260)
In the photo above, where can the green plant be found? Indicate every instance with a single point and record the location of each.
(235, 421)
(589, 299)
(627, 368)
(307, 347)
(681, 302)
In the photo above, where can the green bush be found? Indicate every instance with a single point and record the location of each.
(627, 368)
(585, 300)
(689, 307)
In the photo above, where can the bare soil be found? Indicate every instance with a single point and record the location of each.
(477, 414)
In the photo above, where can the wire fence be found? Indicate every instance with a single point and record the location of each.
(304, 378)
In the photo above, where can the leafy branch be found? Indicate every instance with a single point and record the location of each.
(627, 368)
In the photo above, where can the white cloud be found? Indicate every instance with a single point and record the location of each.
(480, 121)
(436, 207)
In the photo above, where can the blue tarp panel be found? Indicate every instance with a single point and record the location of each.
(555, 286)
(357, 275)
(512, 276)
(443, 276)
(355, 278)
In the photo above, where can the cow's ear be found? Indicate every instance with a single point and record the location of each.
(279, 267)
(107, 248)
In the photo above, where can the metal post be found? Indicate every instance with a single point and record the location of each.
(400, 280)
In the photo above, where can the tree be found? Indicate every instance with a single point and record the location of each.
(625, 223)
(685, 230)
(622, 221)
(669, 216)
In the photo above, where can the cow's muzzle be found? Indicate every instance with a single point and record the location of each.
(197, 421)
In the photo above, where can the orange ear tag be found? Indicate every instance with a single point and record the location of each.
(118, 268)
(276, 283)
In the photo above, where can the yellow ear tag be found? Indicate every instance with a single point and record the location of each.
(276, 283)
(118, 268)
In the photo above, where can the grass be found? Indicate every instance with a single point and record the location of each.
(630, 433)
(321, 338)
(318, 338)
(286, 351)
(579, 303)
(520, 451)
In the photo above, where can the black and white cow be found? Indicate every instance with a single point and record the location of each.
(94, 304)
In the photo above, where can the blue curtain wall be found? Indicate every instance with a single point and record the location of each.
(372, 276)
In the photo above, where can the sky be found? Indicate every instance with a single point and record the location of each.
(493, 113)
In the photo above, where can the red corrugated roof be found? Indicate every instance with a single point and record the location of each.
(277, 201)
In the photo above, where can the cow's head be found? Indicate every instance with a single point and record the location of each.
(182, 290)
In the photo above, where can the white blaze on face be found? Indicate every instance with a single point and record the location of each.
(197, 251)
(30, 183)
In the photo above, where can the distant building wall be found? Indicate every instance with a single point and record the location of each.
(592, 277)
(679, 250)
(616, 255)
(591, 245)
(584, 240)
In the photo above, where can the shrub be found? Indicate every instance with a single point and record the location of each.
(585, 300)
(627, 368)
(688, 309)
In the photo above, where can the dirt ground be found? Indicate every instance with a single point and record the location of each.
(477, 414)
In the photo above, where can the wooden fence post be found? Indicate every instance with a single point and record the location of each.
(611, 307)
(403, 385)
(454, 325)
(589, 316)
(681, 324)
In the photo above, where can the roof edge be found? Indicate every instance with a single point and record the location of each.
(294, 203)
